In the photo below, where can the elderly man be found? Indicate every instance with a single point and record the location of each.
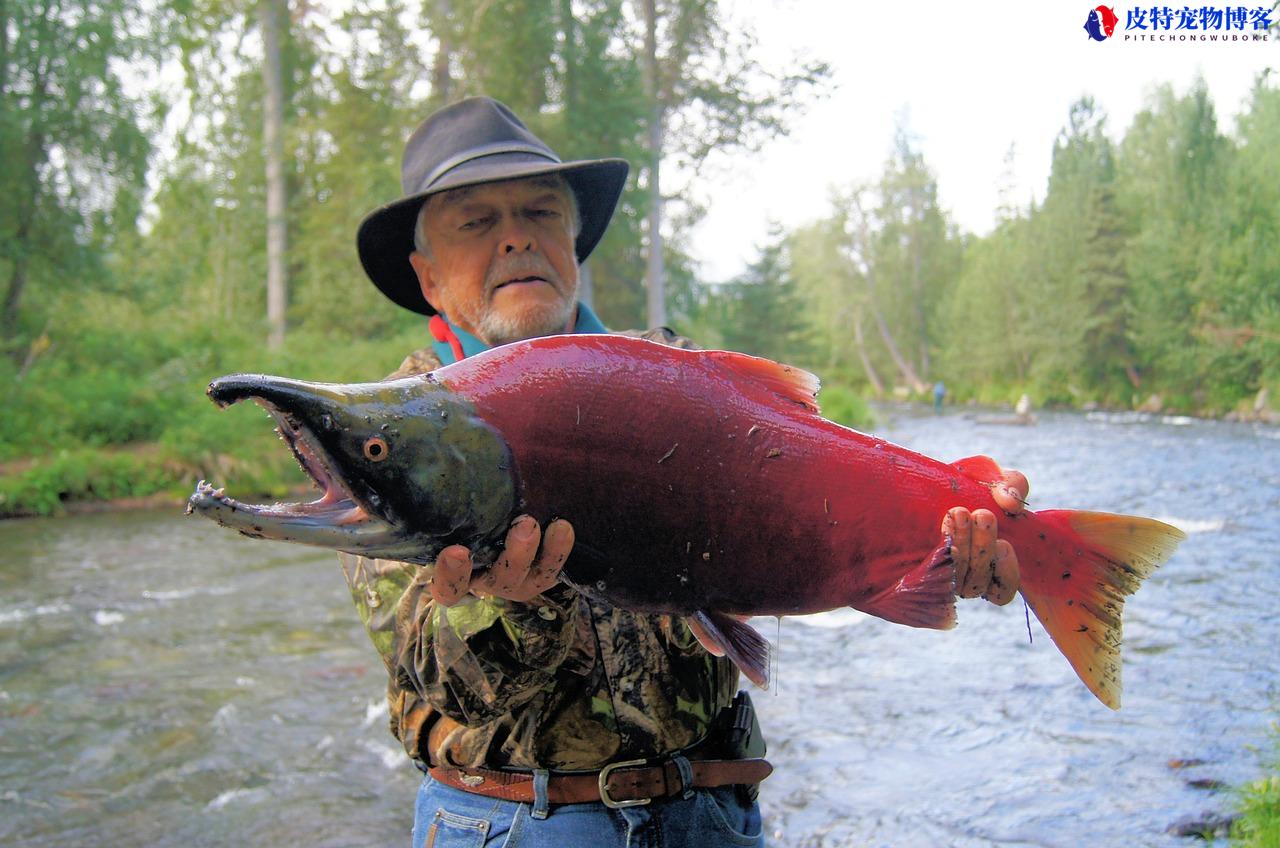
(536, 712)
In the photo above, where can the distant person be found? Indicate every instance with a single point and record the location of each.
(1022, 409)
(541, 716)
(939, 394)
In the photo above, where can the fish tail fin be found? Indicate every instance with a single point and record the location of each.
(924, 597)
(740, 642)
(1100, 559)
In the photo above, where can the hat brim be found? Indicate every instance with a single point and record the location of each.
(385, 237)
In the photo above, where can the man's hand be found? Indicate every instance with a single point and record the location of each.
(986, 566)
(521, 572)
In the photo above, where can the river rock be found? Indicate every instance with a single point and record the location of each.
(1205, 826)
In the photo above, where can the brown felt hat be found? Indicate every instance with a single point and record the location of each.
(474, 141)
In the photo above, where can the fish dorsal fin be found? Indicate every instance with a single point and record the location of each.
(984, 469)
(786, 381)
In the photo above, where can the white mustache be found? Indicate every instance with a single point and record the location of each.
(517, 265)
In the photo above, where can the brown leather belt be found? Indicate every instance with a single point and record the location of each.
(624, 784)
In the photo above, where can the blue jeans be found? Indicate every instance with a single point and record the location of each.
(445, 817)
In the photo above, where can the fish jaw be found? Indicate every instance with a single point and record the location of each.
(396, 462)
(337, 523)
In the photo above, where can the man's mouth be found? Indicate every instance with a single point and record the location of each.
(516, 281)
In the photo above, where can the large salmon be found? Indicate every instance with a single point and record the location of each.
(698, 483)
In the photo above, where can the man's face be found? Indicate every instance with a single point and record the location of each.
(501, 263)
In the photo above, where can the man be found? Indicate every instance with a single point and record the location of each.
(536, 710)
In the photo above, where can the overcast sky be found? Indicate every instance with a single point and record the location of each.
(973, 79)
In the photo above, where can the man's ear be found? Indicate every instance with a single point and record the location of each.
(423, 267)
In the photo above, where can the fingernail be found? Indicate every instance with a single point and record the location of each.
(524, 530)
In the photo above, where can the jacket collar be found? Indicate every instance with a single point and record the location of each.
(444, 334)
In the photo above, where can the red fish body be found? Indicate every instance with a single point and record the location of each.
(707, 481)
(699, 483)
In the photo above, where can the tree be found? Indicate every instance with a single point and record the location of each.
(705, 91)
(761, 314)
(272, 14)
(73, 147)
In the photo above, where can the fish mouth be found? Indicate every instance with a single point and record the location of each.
(335, 519)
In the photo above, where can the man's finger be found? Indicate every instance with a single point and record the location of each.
(1005, 576)
(1010, 494)
(508, 573)
(982, 554)
(452, 577)
(959, 525)
(557, 542)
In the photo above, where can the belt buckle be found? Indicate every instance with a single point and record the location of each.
(603, 782)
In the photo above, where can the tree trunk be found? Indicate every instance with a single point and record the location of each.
(586, 286)
(441, 80)
(273, 138)
(904, 367)
(657, 313)
(877, 385)
(17, 282)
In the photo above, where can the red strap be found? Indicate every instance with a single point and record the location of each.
(442, 332)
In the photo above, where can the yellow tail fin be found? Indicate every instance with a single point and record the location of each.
(1078, 581)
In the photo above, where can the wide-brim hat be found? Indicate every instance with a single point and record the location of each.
(474, 141)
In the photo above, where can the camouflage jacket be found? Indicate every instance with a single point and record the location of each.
(560, 682)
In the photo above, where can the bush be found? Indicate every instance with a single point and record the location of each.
(844, 406)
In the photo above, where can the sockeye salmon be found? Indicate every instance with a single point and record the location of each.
(699, 483)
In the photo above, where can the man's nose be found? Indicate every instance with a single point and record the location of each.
(516, 238)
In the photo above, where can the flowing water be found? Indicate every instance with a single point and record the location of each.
(165, 682)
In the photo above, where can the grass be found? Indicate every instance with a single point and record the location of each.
(1259, 807)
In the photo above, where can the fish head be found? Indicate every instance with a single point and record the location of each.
(405, 468)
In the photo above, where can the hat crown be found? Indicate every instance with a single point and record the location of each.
(464, 131)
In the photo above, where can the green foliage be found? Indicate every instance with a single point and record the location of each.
(73, 151)
(844, 405)
(48, 483)
(760, 312)
(1259, 807)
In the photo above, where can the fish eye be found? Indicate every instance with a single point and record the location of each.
(375, 449)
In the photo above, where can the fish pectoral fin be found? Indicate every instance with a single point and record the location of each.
(789, 383)
(740, 642)
(924, 597)
(984, 469)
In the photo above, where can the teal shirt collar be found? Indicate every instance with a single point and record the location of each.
(587, 322)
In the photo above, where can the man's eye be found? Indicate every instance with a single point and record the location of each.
(474, 224)
(544, 213)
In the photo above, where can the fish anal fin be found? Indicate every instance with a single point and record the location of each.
(740, 642)
(1081, 600)
(786, 381)
(924, 597)
(984, 469)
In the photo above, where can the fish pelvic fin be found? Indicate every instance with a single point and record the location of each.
(740, 642)
(924, 597)
(788, 382)
(1080, 600)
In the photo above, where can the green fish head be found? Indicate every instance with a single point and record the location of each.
(405, 468)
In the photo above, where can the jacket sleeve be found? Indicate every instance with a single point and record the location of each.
(472, 661)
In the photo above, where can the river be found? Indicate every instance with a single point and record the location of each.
(164, 682)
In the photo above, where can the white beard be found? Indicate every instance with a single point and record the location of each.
(545, 320)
